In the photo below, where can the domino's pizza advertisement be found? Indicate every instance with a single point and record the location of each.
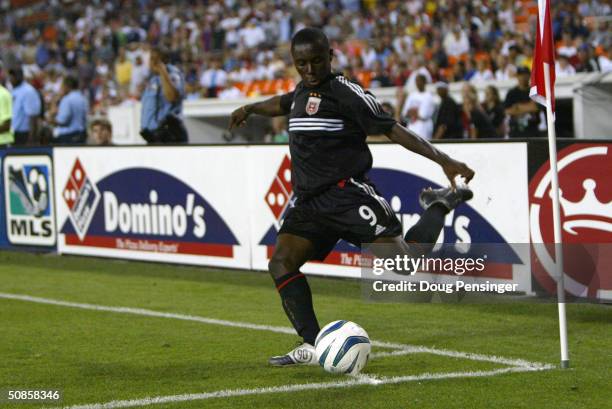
(27, 209)
(585, 197)
(497, 214)
(167, 204)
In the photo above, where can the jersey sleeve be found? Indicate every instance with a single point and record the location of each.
(286, 100)
(362, 107)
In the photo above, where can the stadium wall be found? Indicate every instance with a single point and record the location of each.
(221, 205)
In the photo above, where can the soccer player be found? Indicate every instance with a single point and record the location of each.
(329, 119)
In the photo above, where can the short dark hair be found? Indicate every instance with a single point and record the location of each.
(71, 82)
(102, 122)
(163, 53)
(310, 35)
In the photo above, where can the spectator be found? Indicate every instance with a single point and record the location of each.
(101, 132)
(231, 91)
(586, 61)
(478, 125)
(213, 79)
(448, 117)
(418, 110)
(380, 79)
(456, 42)
(123, 70)
(563, 68)
(605, 63)
(523, 112)
(27, 108)
(279, 130)
(140, 72)
(483, 73)
(505, 71)
(566, 46)
(162, 102)
(494, 109)
(71, 114)
(6, 113)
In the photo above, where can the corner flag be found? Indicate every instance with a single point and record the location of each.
(543, 92)
(544, 57)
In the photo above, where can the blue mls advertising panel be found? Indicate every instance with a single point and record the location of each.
(27, 206)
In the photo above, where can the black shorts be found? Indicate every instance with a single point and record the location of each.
(352, 210)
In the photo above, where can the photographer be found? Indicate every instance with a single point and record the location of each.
(162, 102)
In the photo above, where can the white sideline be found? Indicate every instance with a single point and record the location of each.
(294, 388)
(400, 349)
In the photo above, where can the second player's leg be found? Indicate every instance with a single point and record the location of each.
(290, 254)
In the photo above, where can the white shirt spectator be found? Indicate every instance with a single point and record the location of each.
(424, 102)
(455, 46)
(567, 50)
(139, 75)
(410, 84)
(213, 78)
(605, 63)
(230, 93)
(480, 76)
(564, 70)
(251, 36)
(506, 73)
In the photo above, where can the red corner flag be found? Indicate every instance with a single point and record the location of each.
(544, 57)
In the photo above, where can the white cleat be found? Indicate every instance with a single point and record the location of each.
(303, 354)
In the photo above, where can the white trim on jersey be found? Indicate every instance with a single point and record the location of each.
(314, 128)
(315, 119)
(370, 191)
(369, 99)
(315, 124)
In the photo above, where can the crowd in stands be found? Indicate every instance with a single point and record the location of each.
(235, 48)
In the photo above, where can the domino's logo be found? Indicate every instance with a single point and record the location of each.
(280, 193)
(28, 198)
(81, 196)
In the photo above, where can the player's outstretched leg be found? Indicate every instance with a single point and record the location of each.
(437, 204)
(290, 254)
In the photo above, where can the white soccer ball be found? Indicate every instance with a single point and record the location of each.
(343, 347)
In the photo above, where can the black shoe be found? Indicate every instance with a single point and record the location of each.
(447, 197)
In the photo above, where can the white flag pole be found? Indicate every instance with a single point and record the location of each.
(552, 150)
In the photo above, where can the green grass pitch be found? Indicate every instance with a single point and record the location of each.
(96, 357)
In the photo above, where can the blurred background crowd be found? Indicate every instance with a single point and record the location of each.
(237, 48)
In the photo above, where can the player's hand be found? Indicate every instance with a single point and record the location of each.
(238, 117)
(453, 168)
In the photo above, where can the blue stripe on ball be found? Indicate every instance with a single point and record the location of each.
(348, 344)
(329, 330)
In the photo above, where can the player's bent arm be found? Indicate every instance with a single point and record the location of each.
(270, 107)
(416, 144)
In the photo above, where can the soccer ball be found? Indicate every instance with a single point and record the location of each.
(342, 347)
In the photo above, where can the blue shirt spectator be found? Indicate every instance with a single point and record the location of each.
(162, 102)
(71, 114)
(26, 104)
(155, 106)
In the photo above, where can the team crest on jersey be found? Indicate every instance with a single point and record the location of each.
(312, 106)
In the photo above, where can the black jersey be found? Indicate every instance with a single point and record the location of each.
(328, 125)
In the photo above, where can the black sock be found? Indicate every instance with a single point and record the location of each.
(297, 302)
(428, 228)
